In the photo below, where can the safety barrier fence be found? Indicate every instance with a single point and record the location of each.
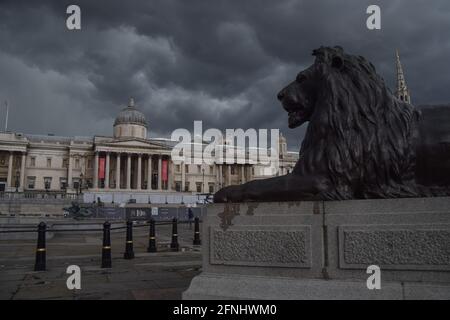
(41, 250)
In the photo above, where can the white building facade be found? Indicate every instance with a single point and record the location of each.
(127, 162)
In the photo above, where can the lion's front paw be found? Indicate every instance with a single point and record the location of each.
(229, 194)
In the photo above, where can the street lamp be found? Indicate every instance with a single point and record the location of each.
(80, 184)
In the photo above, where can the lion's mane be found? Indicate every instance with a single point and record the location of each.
(360, 138)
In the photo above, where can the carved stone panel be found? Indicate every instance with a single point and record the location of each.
(413, 247)
(271, 246)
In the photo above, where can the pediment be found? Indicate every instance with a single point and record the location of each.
(131, 144)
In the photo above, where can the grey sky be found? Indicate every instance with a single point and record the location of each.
(218, 61)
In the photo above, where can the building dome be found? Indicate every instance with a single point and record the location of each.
(130, 122)
(131, 115)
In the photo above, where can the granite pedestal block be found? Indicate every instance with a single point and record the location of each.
(321, 250)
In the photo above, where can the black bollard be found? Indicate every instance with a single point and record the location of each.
(129, 254)
(174, 244)
(197, 240)
(151, 237)
(40, 250)
(106, 250)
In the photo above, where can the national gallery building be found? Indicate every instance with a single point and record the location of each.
(127, 162)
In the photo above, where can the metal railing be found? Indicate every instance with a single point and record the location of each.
(39, 195)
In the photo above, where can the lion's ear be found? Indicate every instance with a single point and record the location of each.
(339, 49)
(337, 62)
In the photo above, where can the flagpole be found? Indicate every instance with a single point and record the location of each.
(6, 120)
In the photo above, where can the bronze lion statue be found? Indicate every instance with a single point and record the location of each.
(361, 141)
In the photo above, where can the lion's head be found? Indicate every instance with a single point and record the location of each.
(300, 97)
(359, 136)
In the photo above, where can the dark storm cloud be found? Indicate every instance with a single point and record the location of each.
(218, 61)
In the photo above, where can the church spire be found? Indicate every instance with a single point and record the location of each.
(402, 92)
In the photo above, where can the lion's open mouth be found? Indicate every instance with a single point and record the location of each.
(297, 113)
(295, 118)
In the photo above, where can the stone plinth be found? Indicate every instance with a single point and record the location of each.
(321, 250)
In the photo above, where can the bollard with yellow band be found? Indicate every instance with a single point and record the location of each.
(174, 244)
(40, 264)
(129, 253)
(106, 249)
(152, 237)
(197, 240)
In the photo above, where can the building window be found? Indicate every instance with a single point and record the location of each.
(211, 187)
(47, 183)
(32, 161)
(49, 162)
(211, 170)
(77, 163)
(31, 182)
(199, 168)
(232, 170)
(62, 183)
(65, 163)
(187, 168)
(186, 186)
(89, 164)
(76, 183)
(198, 186)
(177, 186)
(178, 167)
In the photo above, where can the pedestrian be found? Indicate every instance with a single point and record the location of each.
(190, 217)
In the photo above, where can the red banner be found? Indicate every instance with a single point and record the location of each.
(101, 168)
(164, 170)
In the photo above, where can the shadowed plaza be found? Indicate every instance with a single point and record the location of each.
(160, 275)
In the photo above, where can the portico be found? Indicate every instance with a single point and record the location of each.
(128, 170)
(12, 162)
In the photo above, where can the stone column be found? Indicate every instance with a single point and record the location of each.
(118, 171)
(107, 171)
(128, 172)
(216, 177)
(22, 171)
(149, 173)
(10, 169)
(159, 172)
(139, 169)
(243, 174)
(229, 175)
(170, 176)
(96, 171)
(69, 173)
(183, 176)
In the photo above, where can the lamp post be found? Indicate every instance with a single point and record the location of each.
(80, 185)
